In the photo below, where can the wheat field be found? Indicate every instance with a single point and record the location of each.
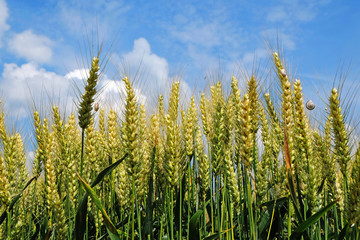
(224, 166)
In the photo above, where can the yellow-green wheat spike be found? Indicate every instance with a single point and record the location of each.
(130, 129)
(73, 144)
(173, 137)
(340, 133)
(342, 153)
(203, 163)
(246, 135)
(144, 153)
(287, 104)
(189, 126)
(307, 166)
(275, 141)
(218, 139)
(4, 185)
(87, 99)
(91, 152)
(353, 210)
(264, 166)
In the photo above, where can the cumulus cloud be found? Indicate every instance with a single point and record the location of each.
(22, 84)
(28, 83)
(153, 68)
(4, 14)
(31, 46)
(154, 71)
(111, 93)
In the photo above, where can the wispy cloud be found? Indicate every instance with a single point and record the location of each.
(4, 14)
(293, 11)
(31, 46)
(251, 57)
(205, 34)
(289, 16)
(286, 37)
(81, 16)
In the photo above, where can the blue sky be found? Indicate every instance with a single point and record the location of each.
(40, 43)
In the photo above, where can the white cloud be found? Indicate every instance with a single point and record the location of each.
(111, 93)
(149, 71)
(22, 84)
(78, 74)
(4, 14)
(155, 68)
(31, 46)
(150, 74)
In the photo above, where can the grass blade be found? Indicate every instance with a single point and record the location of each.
(14, 200)
(310, 221)
(194, 225)
(113, 233)
(212, 236)
(107, 171)
(81, 212)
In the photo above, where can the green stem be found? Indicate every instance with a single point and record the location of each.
(33, 210)
(251, 214)
(217, 183)
(336, 221)
(172, 213)
(133, 211)
(325, 218)
(180, 213)
(8, 223)
(82, 152)
(212, 204)
(189, 199)
(138, 213)
(161, 228)
(81, 160)
(289, 220)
